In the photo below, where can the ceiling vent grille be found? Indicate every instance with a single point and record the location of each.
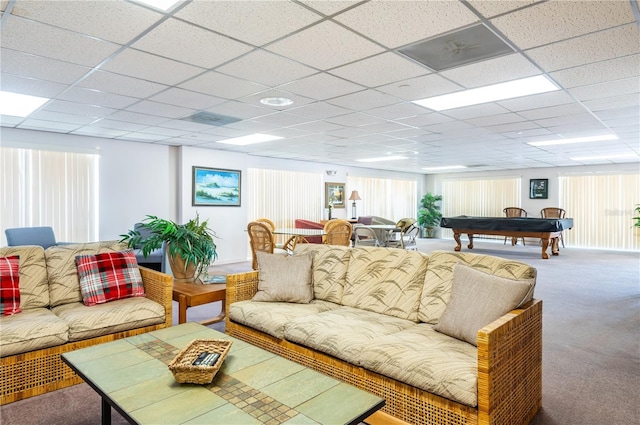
(464, 47)
(211, 119)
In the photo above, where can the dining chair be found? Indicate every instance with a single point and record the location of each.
(338, 232)
(554, 212)
(261, 239)
(396, 236)
(514, 212)
(409, 237)
(364, 236)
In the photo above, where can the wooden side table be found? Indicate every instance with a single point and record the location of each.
(194, 294)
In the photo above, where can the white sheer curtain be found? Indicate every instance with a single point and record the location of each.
(50, 188)
(480, 198)
(601, 207)
(283, 196)
(388, 198)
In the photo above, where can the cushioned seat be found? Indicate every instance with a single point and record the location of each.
(31, 330)
(42, 236)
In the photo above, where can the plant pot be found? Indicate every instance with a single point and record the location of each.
(177, 263)
(429, 232)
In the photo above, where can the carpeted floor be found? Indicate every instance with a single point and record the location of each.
(591, 341)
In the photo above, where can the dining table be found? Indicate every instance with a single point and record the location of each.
(299, 232)
(384, 232)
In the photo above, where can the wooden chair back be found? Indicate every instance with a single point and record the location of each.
(260, 239)
(514, 212)
(552, 212)
(268, 222)
(338, 232)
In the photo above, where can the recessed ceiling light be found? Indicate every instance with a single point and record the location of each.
(276, 101)
(492, 93)
(574, 140)
(163, 5)
(382, 158)
(605, 157)
(444, 167)
(250, 139)
(19, 105)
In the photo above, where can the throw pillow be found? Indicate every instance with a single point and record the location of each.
(479, 298)
(109, 276)
(285, 278)
(10, 285)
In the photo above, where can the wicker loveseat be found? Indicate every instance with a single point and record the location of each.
(54, 320)
(372, 323)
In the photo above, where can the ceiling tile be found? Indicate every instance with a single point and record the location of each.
(77, 108)
(614, 69)
(535, 101)
(475, 111)
(120, 84)
(604, 45)
(62, 117)
(505, 68)
(561, 20)
(339, 46)
(160, 109)
(95, 97)
(319, 110)
(397, 111)
(187, 98)
(321, 86)
(552, 111)
(254, 99)
(240, 110)
(136, 118)
(364, 100)
(420, 87)
(43, 40)
(283, 119)
(58, 127)
(31, 86)
(39, 67)
(609, 89)
(99, 132)
(266, 68)
(108, 20)
(221, 85)
(134, 63)
(118, 125)
(381, 69)
(416, 20)
(354, 119)
(495, 120)
(490, 9)
(256, 22)
(178, 40)
(613, 102)
(330, 7)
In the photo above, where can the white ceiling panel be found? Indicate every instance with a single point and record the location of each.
(28, 65)
(160, 109)
(608, 89)
(77, 108)
(221, 85)
(364, 100)
(120, 84)
(614, 69)
(95, 97)
(379, 70)
(321, 86)
(187, 98)
(59, 127)
(505, 68)
(330, 7)
(30, 86)
(489, 9)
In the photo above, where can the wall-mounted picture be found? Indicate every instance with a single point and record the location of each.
(538, 188)
(215, 187)
(334, 195)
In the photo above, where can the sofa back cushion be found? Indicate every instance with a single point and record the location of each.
(385, 280)
(329, 269)
(34, 286)
(64, 285)
(439, 278)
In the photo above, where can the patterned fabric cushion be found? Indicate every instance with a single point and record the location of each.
(64, 286)
(439, 278)
(477, 299)
(271, 318)
(9, 285)
(103, 319)
(342, 332)
(109, 276)
(284, 278)
(32, 329)
(34, 285)
(428, 360)
(385, 280)
(330, 263)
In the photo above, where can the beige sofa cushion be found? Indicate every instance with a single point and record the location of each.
(32, 329)
(285, 278)
(426, 359)
(64, 285)
(342, 332)
(385, 280)
(330, 263)
(272, 317)
(34, 286)
(439, 278)
(115, 316)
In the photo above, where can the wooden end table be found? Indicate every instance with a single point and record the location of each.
(194, 294)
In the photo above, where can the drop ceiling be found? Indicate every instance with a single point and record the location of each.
(120, 70)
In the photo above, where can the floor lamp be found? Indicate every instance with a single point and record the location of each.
(354, 197)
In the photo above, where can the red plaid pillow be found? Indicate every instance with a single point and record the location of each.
(9, 285)
(109, 276)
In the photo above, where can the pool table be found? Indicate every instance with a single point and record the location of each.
(546, 229)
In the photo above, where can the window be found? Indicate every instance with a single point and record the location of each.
(387, 198)
(49, 188)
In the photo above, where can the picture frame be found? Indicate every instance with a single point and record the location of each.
(216, 187)
(334, 194)
(538, 188)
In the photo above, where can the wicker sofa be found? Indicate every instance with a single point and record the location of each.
(54, 320)
(372, 323)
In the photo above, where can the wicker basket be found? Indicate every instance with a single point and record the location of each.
(186, 373)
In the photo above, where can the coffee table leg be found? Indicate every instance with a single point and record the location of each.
(106, 412)
(182, 309)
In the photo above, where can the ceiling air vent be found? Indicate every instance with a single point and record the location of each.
(463, 47)
(211, 119)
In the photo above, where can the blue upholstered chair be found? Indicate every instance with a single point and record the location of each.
(42, 236)
(156, 259)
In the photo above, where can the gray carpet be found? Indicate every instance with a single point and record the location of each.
(591, 334)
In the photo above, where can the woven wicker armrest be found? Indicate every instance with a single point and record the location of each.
(510, 367)
(240, 287)
(158, 287)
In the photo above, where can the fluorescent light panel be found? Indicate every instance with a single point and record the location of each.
(574, 140)
(605, 157)
(19, 105)
(250, 139)
(163, 5)
(445, 167)
(382, 158)
(492, 93)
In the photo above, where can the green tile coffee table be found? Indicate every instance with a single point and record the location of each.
(253, 386)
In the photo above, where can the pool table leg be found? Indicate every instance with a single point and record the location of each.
(470, 236)
(456, 236)
(555, 248)
(545, 245)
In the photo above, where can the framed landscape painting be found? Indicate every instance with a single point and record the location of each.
(215, 187)
(334, 195)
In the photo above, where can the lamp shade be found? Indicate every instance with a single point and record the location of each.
(354, 196)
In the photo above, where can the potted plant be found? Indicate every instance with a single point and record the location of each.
(637, 217)
(429, 214)
(190, 246)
